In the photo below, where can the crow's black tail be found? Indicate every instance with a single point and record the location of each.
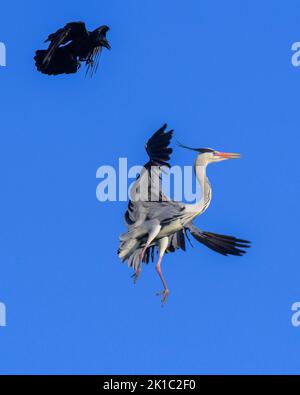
(225, 245)
(39, 58)
(62, 62)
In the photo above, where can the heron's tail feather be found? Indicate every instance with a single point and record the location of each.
(225, 245)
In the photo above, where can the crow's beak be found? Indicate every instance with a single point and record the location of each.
(105, 44)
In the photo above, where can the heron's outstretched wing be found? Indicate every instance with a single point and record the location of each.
(146, 191)
(225, 245)
(157, 147)
(71, 31)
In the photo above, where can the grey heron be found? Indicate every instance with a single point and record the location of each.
(159, 223)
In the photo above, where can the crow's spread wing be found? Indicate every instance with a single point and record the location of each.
(72, 31)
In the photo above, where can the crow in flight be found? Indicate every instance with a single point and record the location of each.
(69, 46)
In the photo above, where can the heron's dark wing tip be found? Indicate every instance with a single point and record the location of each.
(225, 245)
(157, 147)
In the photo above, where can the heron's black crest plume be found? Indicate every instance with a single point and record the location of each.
(200, 150)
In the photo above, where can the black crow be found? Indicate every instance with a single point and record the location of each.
(70, 46)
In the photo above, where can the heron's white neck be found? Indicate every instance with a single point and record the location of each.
(202, 204)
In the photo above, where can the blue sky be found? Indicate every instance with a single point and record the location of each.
(220, 74)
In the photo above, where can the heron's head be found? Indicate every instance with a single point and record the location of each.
(209, 155)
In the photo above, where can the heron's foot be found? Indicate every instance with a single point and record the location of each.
(136, 276)
(164, 296)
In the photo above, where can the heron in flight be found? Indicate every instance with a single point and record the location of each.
(69, 46)
(155, 222)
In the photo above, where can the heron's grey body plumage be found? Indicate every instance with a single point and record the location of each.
(158, 223)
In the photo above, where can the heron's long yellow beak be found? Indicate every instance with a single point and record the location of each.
(228, 155)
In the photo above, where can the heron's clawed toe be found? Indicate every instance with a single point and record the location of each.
(164, 296)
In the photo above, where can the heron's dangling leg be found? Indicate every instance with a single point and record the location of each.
(162, 246)
(151, 236)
